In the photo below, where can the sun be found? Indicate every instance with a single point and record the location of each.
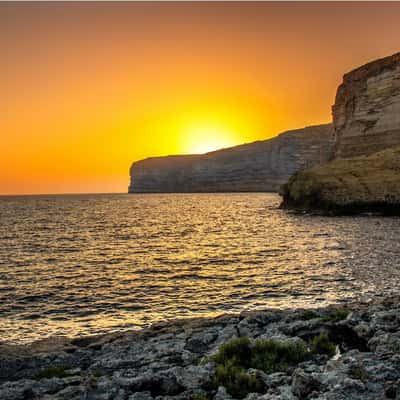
(202, 138)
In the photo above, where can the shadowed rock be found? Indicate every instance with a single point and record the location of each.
(348, 186)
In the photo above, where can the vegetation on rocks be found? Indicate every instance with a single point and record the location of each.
(321, 344)
(237, 382)
(348, 186)
(238, 355)
(278, 355)
(52, 372)
(359, 372)
(309, 314)
(336, 315)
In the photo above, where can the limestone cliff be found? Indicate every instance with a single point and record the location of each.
(366, 119)
(366, 113)
(343, 186)
(259, 166)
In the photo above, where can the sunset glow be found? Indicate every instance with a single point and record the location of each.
(202, 139)
(88, 88)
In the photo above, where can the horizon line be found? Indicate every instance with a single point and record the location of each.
(57, 194)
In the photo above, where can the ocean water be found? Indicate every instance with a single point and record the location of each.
(86, 264)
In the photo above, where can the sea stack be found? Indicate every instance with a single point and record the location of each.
(261, 166)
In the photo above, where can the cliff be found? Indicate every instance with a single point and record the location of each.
(366, 120)
(259, 166)
(366, 113)
(346, 186)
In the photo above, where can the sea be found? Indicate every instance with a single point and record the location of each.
(78, 265)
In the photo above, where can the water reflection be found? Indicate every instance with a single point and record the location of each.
(89, 264)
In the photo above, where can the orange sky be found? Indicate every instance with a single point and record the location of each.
(88, 88)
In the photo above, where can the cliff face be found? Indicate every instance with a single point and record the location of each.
(366, 174)
(259, 166)
(366, 114)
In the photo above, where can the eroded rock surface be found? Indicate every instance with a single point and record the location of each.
(259, 166)
(366, 113)
(366, 119)
(163, 362)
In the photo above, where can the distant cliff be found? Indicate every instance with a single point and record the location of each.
(366, 113)
(259, 166)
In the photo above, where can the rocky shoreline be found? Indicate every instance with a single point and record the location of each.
(349, 351)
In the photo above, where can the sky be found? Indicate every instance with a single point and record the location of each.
(88, 88)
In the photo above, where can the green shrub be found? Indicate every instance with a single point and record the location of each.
(359, 372)
(336, 316)
(236, 356)
(52, 372)
(321, 344)
(236, 381)
(275, 356)
(309, 314)
(237, 351)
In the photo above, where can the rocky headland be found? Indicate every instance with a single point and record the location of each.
(366, 113)
(364, 177)
(366, 120)
(341, 352)
(254, 167)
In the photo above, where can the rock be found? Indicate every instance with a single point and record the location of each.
(366, 113)
(222, 394)
(348, 186)
(303, 384)
(162, 383)
(260, 166)
(148, 364)
(141, 396)
(365, 177)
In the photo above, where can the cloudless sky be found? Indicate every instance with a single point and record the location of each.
(88, 88)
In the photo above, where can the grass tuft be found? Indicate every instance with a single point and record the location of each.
(276, 356)
(321, 344)
(237, 351)
(309, 314)
(359, 372)
(336, 316)
(236, 381)
(52, 372)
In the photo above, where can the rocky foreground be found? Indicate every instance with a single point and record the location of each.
(339, 352)
(348, 186)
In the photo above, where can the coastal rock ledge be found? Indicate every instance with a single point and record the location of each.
(365, 175)
(341, 352)
(348, 186)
